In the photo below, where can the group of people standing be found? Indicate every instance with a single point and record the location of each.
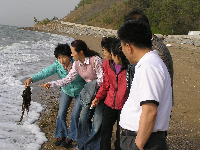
(132, 86)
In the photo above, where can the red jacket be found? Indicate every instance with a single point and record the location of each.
(113, 88)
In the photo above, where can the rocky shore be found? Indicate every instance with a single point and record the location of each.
(78, 29)
(184, 127)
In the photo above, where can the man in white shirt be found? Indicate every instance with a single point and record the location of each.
(146, 113)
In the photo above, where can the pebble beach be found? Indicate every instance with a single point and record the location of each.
(184, 130)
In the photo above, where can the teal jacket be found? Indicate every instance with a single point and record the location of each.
(71, 89)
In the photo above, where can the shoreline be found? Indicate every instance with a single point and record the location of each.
(71, 29)
(49, 99)
(184, 127)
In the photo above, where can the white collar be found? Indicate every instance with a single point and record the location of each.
(87, 61)
(145, 57)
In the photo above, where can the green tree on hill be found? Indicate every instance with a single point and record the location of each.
(174, 16)
(165, 16)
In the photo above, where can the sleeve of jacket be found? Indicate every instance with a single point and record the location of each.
(98, 62)
(68, 79)
(102, 92)
(50, 70)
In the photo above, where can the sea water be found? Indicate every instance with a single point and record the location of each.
(22, 54)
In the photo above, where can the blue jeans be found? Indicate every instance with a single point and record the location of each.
(61, 126)
(88, 131)
(73, 130)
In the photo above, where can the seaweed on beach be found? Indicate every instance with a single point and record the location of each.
(26, 101)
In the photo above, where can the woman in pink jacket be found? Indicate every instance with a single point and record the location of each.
(114, 91)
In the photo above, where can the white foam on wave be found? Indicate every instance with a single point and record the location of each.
(18, 60)
(27, 135)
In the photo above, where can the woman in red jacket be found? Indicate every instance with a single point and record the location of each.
(114, 91)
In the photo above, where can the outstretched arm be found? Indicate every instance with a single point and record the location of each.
(50, 70)
(65, 81)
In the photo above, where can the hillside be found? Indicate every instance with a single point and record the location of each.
(100, 13)
(171, 17)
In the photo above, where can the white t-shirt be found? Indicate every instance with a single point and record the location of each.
(151, 83)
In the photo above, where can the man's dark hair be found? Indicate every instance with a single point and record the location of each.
(62, 49)
(136, 32)
(136, 14)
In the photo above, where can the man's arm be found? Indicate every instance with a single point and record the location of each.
(146, 124)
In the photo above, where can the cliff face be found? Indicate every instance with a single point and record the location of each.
(99, 13)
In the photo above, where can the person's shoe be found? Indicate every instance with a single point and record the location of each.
(59, 141)
(67, 143)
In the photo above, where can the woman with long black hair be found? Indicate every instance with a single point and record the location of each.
(115, 93)
(89, 65)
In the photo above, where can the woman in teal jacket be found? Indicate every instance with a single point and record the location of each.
(62, 67)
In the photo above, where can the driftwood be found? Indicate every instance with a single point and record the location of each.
(26, 101)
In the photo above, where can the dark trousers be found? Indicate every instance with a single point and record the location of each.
(156, 141)
(110, 116)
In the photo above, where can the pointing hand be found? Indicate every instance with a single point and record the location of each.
(46, 85)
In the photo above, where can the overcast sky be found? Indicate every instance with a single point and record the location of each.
(21, 12)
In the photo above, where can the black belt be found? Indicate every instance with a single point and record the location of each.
(125, 132)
